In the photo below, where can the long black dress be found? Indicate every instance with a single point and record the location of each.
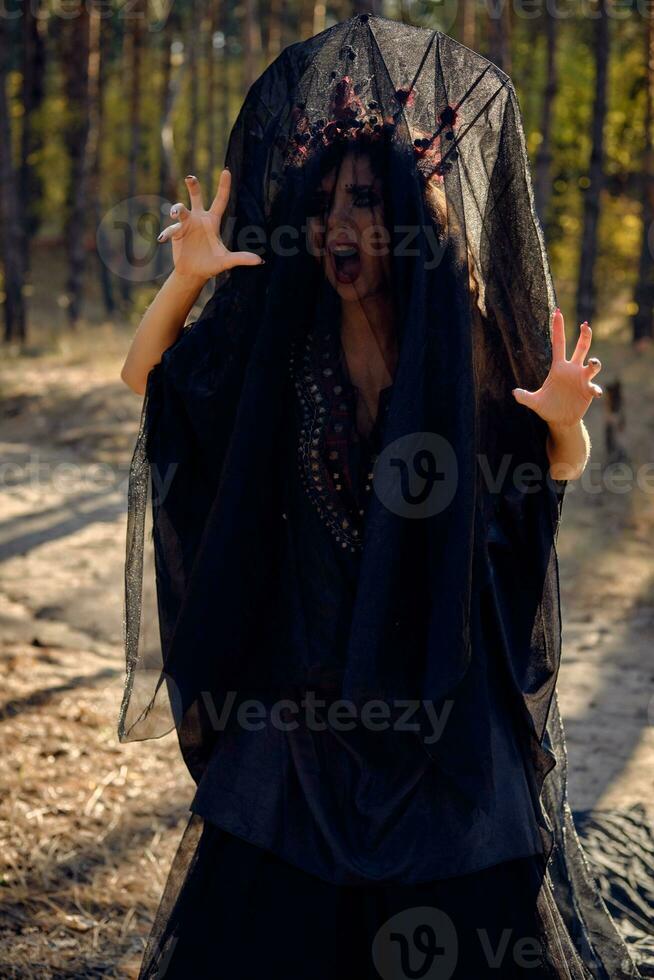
(286, 882)
(410, 577)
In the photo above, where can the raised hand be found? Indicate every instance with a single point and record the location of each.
(567, 391)
(198, 250)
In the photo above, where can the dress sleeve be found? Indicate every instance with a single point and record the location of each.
(519, 300)
(173, 478)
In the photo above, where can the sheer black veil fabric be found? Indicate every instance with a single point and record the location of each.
(429, 136)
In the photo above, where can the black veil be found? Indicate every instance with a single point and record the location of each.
(245, 420)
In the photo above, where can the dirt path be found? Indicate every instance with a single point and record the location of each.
(88, 825)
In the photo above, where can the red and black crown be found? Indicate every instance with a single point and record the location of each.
(351, 120)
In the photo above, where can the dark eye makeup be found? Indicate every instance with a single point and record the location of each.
(363, 196)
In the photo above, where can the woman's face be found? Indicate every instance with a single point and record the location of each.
(347, 230)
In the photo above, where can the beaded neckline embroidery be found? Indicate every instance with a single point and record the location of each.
(327, 410)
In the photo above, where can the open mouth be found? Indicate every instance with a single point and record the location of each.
(346, 259)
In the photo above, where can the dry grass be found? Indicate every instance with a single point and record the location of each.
(88, 826)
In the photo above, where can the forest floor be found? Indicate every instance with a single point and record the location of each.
(89, 826)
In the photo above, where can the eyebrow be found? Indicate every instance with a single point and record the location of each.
(353, 189)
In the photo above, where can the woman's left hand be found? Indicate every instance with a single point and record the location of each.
(567, 391)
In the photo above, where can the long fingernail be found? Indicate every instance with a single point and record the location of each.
(190, 177)
(160, 237)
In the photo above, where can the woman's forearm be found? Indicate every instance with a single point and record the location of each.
(160, 327)
(568, 449)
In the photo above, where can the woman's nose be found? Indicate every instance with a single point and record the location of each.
(339, 214)
(340, 211)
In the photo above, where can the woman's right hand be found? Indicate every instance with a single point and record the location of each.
(198, 250)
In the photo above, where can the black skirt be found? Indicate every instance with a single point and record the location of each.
(234, 911)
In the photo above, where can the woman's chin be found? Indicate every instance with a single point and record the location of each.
(356, 289)
(348, 291)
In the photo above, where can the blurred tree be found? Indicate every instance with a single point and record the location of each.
(13, 249)
(465, 28)
(75, 51)
(224, 89)
(305, 13)
(211, 29)
(543, 164)
(98, 36)
(275, 21)
(499, 25)
(33, 71)
(171, 78)
(171, 71)
(642, 323)
(192, 36)
(319, 17)
(593, 190)
(251, 42)
(134, 45)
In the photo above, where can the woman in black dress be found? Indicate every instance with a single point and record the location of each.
(357, 457)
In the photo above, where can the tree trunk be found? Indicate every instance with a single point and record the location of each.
(193, 133)
(31, 139)
(171, 82)
(10, 219)
(499, 33)
(543, 163)
(466, 23)
(306, 17)
(76, 68)
(614, 425)
(170, 87)
(644, 295)
(319, 17)
(134, 39)
(225, 81)
(274, 43)
(212, 20)
(593, 194)
(251, 43)
(97, 54)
